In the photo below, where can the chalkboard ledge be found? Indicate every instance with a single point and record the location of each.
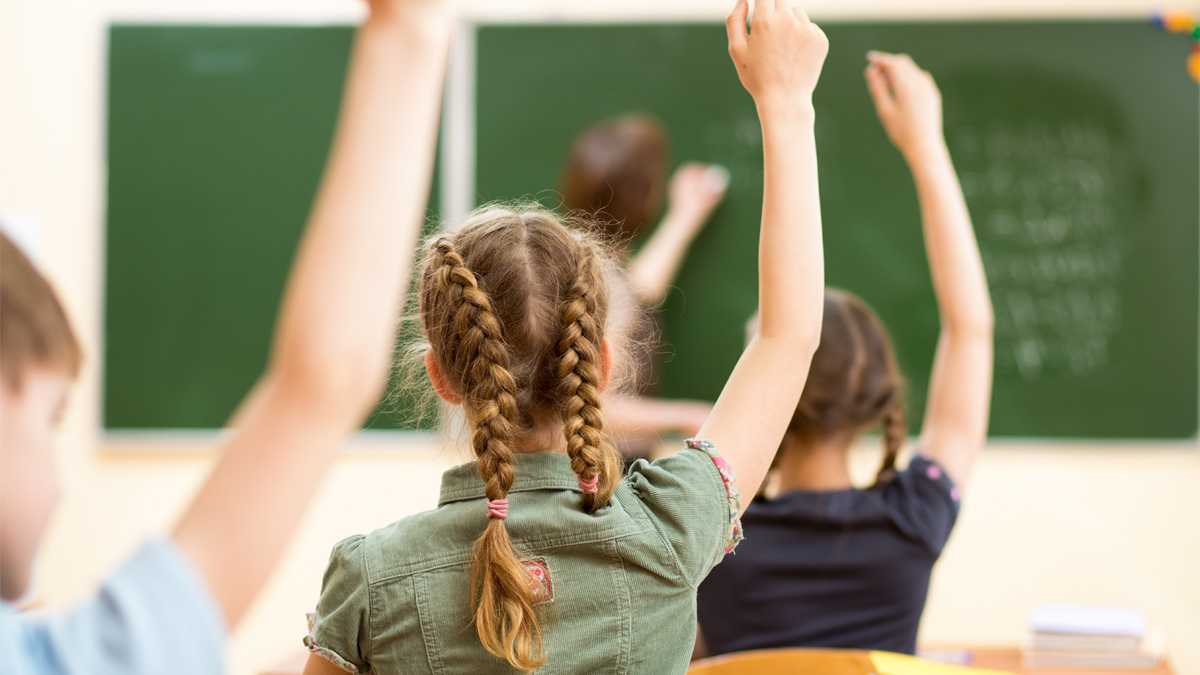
(189, 441)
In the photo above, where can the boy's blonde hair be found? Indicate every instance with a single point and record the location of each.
(34, 328)
(514, 305)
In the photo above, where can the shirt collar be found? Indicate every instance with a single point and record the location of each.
(535, 471)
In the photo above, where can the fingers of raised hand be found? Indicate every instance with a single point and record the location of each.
(735, 26)
(892, 62)
(880, 90)
(818, 35)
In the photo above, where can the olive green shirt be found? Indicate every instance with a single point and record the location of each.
(617, 588)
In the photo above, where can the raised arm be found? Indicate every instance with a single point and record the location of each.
(779, 63)
(960, 386)
(335, 332)
(696, 190)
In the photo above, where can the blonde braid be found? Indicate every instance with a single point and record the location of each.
(502, 593)
(593, 458)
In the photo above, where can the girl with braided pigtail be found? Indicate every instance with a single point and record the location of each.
(880, 543)
(540, 552)
(504, 617)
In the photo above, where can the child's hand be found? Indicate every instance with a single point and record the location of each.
(780, 61)
(696, 189)
(416, 13)
(908, 103)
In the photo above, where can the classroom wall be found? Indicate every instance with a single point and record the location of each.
(1112, 523)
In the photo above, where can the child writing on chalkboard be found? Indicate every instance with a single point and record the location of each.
(540, 552)
(828, 565)
(169, 609)
(615, 172)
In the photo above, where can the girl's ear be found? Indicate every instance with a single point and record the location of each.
(441, 385)
(605, 364)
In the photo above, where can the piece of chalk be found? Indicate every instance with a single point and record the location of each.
(1158, 21)
(718, 177)
(1194, 65)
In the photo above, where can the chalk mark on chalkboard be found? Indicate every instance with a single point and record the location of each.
(1053, 243)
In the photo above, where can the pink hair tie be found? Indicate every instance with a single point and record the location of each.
(497, 508)
(589, 485)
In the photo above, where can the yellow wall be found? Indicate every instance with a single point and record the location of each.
(1113, 524)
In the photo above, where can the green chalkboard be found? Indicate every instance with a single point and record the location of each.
(217, 136)
(1077, 145)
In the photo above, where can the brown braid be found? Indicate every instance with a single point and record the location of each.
(501, 593)
(894, 432)
(593, 457)
(854, 383)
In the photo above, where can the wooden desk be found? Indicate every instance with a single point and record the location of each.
(787, 662)
(1000, 657)
(854, 662)
(849, 662)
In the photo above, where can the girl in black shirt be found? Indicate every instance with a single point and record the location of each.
(825, 564)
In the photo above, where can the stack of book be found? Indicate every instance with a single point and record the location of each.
(1074, 636)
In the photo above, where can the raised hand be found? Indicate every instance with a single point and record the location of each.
(341, 305)
(779, 63)
(780, 59)
(908, 103)
(414, 14)
(959, 397)
(696, 190)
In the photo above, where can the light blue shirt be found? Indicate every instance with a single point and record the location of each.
(152, 617)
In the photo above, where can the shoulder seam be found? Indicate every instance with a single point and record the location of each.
(714, 474)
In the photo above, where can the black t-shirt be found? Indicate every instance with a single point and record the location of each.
(846, 568)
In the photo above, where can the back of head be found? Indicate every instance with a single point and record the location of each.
(514, 305)
(854, 382)
(34, 329)
(616, 170)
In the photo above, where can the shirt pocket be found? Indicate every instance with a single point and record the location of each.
(396, 637)
(584, 608)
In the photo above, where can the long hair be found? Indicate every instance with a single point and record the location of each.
(514, 306)
(854, 382)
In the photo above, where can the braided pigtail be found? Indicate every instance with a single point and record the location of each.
(894, 431)
(593, 457)
(502, 594)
